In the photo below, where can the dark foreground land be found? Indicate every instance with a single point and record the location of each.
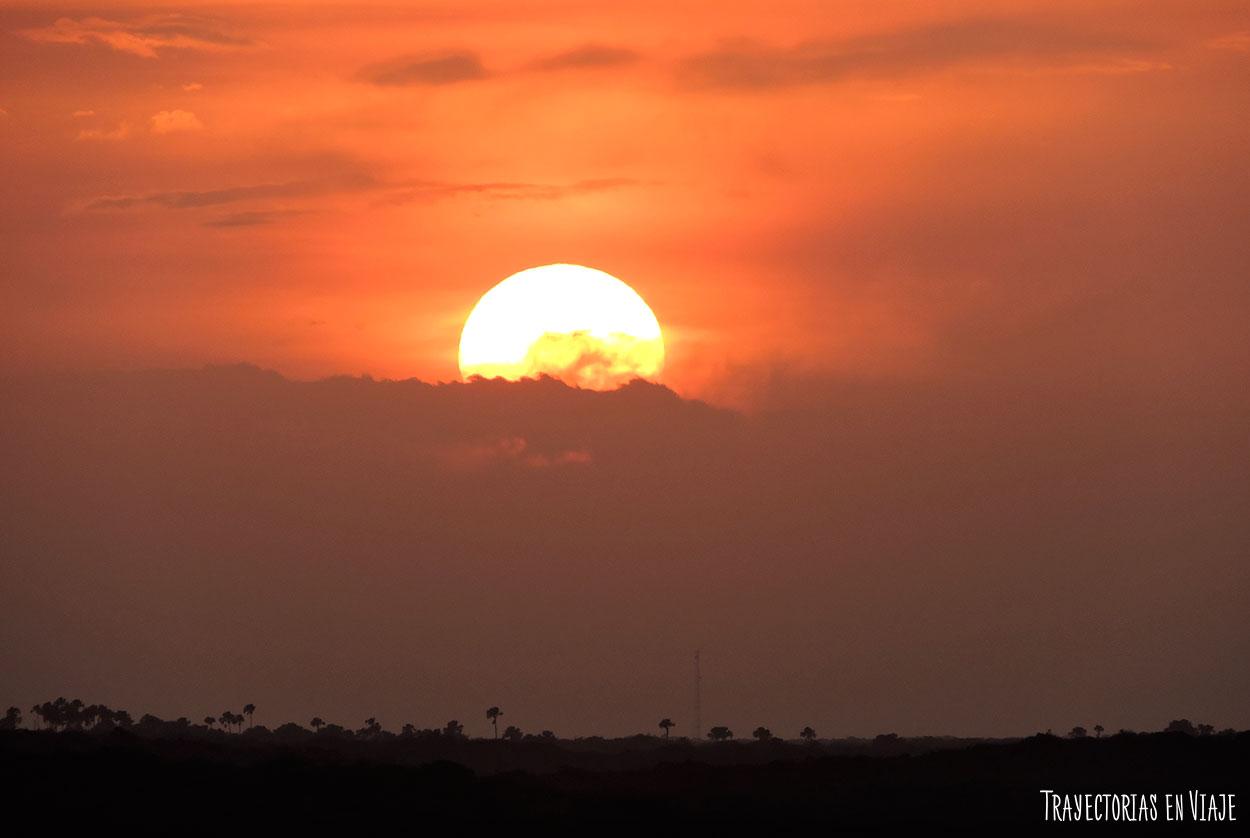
(75, 781)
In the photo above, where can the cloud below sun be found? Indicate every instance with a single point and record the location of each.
(582, 360)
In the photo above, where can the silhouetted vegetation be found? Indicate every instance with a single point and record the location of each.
(1182, 726)
(325, 778)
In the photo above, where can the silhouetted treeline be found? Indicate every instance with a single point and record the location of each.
(509, 750)
(74, 714)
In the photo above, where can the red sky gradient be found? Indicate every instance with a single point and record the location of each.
(970, 280)
(867, 188)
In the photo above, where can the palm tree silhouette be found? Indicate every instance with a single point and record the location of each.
(317, 723)
(665, 725)
(248, 710)
(720, 733)
(493, 714)
(762, 733)
(209, 721)
(807, 734)
(1098, 729)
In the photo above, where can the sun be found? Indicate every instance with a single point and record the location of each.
(578, 324)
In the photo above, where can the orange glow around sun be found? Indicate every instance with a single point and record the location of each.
(578, 324)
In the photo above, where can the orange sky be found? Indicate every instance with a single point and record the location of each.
(852, 187)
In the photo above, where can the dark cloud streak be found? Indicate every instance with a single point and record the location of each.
(251, 218)
(590, 56)
(507, 190)
(398, 192)
(236, 194)
(447, 68)
(750, 65)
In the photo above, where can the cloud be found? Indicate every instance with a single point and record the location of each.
(1234, 41)
(513, 450)
(747, 65)
(3, 112)
(446, 68)
(80, 114)
(590, 56)
(506, 190)
(121, 132)
(193, 87)
(145, 37)
(235, 194)
(171, 122)
(583, 360)
(251, 218)
(396, 193)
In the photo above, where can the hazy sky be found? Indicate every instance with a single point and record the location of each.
(968, 281)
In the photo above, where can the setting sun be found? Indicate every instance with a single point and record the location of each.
(574, 323)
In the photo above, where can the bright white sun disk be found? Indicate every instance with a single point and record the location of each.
(572, 322)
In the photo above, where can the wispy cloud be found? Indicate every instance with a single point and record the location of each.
(505, 190)
(145, 37)
(432, 69)
(252, 218)
(171, 122)
(121, 132)
(1234, 41)
(236, 194)
(394, 193)
(511, 450)
(590, 56)
(747, 65)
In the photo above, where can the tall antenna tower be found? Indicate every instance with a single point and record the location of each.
(698, 702)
